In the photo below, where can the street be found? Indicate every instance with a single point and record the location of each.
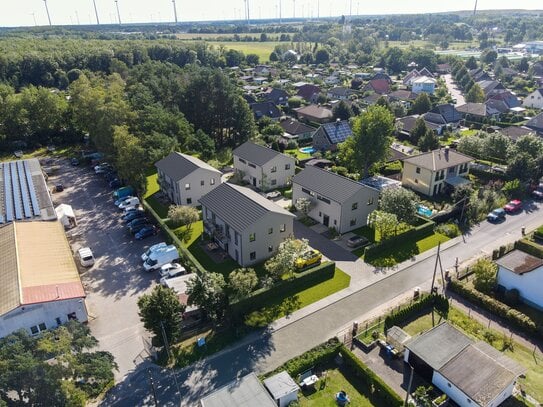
(454, 90)
(287, 338)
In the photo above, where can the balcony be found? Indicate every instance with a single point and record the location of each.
(216, 231)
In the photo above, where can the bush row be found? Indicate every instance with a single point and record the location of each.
(529, 247)
(373, 251)
(381, 390)
(438, 302)
(300, 281)
(511, 315)
(187, 259)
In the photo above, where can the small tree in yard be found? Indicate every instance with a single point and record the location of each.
(161, 308)
(207, 291)
(283, 262)
(401, 202)
(485, 275)
(183, 215)
(385, 223)
(303, 205)
(242, 282)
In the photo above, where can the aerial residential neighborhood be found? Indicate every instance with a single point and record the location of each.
(313, 204)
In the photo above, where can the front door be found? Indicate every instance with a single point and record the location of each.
(326, 220)
(254, 182)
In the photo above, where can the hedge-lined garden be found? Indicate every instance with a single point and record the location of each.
(437, 302)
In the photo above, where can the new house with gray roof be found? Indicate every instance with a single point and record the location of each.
(430, 173)
(184, 179)
(329, 135)
(244, 224)
(336, 201)
(263, 167)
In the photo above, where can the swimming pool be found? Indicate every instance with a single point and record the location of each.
(424, 211)
(307, 150)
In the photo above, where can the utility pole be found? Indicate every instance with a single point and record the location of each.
(167, 345)
(409, 386)
(118, 13)
(47, 10)
(96, 12)
(318, 9)
(151, 381)
(174, 11)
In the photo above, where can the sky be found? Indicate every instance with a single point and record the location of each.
(65, 12)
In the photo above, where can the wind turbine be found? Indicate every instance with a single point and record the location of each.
(118, 13)
(174, 11)
(248, 14)
(34, 17)
(475, 8)
(280, 15)
(77, 17)
(47, 9)
(96, 12)
(293, 8)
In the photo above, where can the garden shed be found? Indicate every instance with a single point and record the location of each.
(282, 388)
(396, 337)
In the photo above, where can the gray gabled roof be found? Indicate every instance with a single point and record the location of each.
(240, 207)
(281, 385)
(177, 165)
(243, 392)
(439, 159)
(329, 184)
(256, 153)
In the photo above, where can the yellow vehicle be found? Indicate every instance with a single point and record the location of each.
(309, 258)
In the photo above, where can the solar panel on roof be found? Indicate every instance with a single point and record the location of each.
(32, 190)
(338, 132)
(24, 189)
(7, 193)
(15, 185)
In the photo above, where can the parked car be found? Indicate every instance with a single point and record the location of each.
(311, 257)
(115, 183)
(131, 215)
(357, 241)
(129, 202)
(538, 192)
(58, 188)
(147, 231)
(496, 215)
(161, 257)
(171, 270)
(273, 194)
(121, 200)
(74, 162)
(138, 221)
(102, 168)
(152, 249)
(86, 258)
(137, 227)
(123, 192)
(132, 208)
(513, 206)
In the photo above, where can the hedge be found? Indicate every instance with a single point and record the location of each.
(529, 247)
(300, 281)
(438, 302)
(187, 259)
(515, 317)
(417, 233)
(382, 390)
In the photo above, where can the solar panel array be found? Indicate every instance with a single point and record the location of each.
(337, 132)
(19, 194)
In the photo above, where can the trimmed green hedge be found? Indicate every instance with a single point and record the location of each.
(417, 233)
(187, 259)
(515, 317)
(382, 390)
(438, 302)
(300, 281)
(529, 247)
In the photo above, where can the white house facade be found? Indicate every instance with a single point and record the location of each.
(424, 84)
(185, 179)
(534, 100)
(262, 167)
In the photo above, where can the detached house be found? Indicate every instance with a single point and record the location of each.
(337, 201)
(339, 93)
(443, 116)
(268, 109)
(244, 224)
(314, 113)
(534, 99)
(429, 173)
(379, 86)
(478, 111)
(295, 130)
(184, 179)
(276, 96)
(309, 92)
(424, 84)
(329, 135)
(536, 124)
(263, 167)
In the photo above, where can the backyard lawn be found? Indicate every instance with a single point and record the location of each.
(299, 155)
(150, 195)
(188, 237)
(532, 383)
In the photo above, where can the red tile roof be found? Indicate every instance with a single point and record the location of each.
(52, 292)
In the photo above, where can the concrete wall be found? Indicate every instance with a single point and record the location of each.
(27, 316)
(528, 285)
(420, 182)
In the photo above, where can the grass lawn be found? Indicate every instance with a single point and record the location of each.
(299, 155)
(150, 195)
(291, 300)
(188, 237)
(532, 384)
(469, 132)
(325, 391)
(262, 49)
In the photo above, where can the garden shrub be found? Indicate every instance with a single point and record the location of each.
(451, 230)
(438, 302)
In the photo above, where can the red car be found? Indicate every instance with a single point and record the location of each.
(513, 206)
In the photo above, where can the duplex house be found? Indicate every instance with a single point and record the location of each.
(534, 99)
(336, 201)
(263, 167)
(184, 179)
(244, 224)
(329, 135)
(523, 272)
(430, 172)
(295, 130)
(443, 116)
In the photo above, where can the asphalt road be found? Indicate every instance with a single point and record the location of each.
(454, 90)
(264, 351)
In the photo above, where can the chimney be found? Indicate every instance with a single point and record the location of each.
(446, 153)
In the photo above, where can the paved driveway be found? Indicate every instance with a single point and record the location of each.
(114, 284)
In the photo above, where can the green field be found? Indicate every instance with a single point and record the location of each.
(262, 49)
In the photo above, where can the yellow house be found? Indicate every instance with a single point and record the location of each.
(428, 173)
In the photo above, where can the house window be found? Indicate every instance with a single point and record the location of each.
(241, 160)
(370, 201)
(354, 207)
(273, 169)
(306, 191)
(252, 237)
(287, 166)
(42, 326)
(202, 183)
(273, 182)
(335, 222)
(270, 231)
(270, 249)
(452, 170)
(187, 187)
(58, 321)
(282, 228)
(252, 256)
(320, 214)
(418, 170)
(189, 201)
(252, 165)
(34, 330)
(323, 199)
(448, 384)
(212, 181)
(353, 222)
(236, 238)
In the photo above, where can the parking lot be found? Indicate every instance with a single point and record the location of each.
(116, 281)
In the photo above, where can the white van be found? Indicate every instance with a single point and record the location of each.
(160, 257)
(134, 201)
(152, 249)
(86, 258)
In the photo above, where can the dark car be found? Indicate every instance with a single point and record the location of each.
(131, 215)
(145, 232)
(58, 188)
(136, 228)
(357, 241)
(74, 162)
(497, 215)
(538, 192)
(115, 183)
(137, 221)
